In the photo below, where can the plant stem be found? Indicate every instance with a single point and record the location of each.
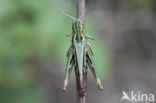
(81, 10)
(81, 15)
(80, 98)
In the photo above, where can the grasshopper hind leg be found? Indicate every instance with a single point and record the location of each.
(85, 80)
(69, 66)
(92, 68)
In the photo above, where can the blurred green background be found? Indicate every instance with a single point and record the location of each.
(33, 47)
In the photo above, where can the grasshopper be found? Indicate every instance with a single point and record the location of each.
(79, 56)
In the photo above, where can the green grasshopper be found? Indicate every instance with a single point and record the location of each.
(80, 55)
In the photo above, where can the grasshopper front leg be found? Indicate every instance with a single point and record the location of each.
(68, 35)
(89, 37)
(69, 66)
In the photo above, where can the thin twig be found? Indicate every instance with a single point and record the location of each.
(81, 15)
(81, 10)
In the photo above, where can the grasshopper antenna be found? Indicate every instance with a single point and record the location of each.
(63, 13)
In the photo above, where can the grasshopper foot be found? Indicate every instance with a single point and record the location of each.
(65, 85)
(100, 88)
(64, 89)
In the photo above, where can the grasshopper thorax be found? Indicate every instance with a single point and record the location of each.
(77, 28)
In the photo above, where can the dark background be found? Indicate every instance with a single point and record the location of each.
(33, 47)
